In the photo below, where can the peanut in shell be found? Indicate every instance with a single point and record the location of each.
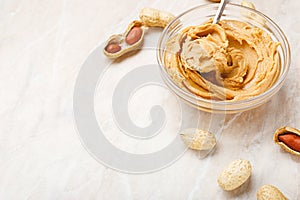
(155, 18)
(269, 192)
(121, 41)
(235, 175)
(288, 138)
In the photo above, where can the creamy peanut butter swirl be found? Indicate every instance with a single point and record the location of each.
(227, 61)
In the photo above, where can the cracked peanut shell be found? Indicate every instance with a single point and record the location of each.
(120, 43)
(198, 139)
(288, 138)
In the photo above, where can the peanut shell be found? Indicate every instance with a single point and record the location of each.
(248, 4)
(198, 139)
(235, 175)
(282, 131)
(119, 39)
(269, 192)
(153, 17)
(251, 15)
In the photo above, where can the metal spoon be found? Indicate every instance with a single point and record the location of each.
(220, 11)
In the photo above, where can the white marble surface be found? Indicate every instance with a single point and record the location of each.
(42, 47)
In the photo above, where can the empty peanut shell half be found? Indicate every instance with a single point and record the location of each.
(235, 175)
(131, 39)
(153, 17)
(198, 139)
(289, 139)
(269, 192)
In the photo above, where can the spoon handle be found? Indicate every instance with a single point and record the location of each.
(220, 11)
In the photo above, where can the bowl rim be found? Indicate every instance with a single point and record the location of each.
(279, 82)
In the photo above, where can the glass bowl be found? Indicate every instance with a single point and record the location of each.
(200, 15)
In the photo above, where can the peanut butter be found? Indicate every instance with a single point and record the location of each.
(228, 61)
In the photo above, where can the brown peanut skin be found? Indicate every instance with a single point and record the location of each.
(291, 140)
(134, 35)
(113, 48)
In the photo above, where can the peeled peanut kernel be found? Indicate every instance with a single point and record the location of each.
(291, 140)
(113, 48)
(134, 35)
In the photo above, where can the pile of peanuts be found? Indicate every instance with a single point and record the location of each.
(238, 172)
